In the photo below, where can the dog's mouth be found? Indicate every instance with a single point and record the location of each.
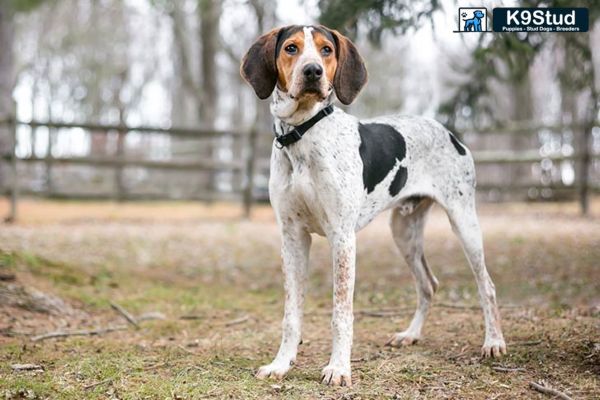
(312, 90)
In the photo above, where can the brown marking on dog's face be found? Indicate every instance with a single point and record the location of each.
(286, 60)
(329, 59)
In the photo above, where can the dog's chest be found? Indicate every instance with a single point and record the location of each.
(308, 197)
(319, 177)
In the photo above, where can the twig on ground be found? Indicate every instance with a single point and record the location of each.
(385, 312)
(125, 314)
(527, 343)
(93, 385)
(469, 307)
(380, 314)
(507, 369)
(456, 306)
(191, 317)
(149, 316)
(91, 332)
(237, 321)
(27, 367)
(543, 388)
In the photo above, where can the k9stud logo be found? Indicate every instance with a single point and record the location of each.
(472, 19)
(541, 19)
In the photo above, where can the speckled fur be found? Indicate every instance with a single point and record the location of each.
(316, 186)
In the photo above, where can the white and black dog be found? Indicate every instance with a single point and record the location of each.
(331, 174)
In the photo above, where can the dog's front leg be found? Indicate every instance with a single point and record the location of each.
(294, 252)
(338, 373)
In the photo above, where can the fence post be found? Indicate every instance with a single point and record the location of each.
(250, 164)
(14, 185)
(49, 161)
(120, 152)
(585, 169)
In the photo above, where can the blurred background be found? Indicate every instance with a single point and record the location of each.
(142, 99)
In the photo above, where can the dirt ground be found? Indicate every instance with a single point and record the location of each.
(206, 288)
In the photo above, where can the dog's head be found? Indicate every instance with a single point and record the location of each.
(306, 63)
(478, 14)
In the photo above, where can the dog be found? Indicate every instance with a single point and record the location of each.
(474, 24)
(331, 174)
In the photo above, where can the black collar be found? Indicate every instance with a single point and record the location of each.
(298, 131)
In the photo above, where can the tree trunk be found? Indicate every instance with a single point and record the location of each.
(186, 92)
(7, 107)
(210, 14)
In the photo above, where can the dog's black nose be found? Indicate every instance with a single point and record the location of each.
(312, 72)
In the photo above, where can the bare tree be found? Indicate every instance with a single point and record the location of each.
(7, 108)
(210, 14)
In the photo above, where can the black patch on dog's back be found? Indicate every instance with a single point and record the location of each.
(457, 144)
(381, 147)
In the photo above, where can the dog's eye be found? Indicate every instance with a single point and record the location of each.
(326, 51)
(291, 49)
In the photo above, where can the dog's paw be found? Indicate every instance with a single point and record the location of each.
(274, 370)
(493, 348)
(336, 376)
(402, 339)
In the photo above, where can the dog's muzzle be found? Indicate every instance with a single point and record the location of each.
(312, 72)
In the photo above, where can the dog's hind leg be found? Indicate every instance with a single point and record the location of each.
(407, 223)
(464, 221)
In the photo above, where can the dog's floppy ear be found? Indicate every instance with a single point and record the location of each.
(259, 67)
(351, 72)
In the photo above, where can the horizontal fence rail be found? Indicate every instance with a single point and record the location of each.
(505, 157)
(247, 167)
(150, 164)
(106, 128)
(519, 128)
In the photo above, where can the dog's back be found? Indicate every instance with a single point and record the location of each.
(433, 155)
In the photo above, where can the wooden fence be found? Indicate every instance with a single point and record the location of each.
(250, 164)
(118, 161)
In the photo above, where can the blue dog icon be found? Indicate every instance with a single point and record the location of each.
(474, 24)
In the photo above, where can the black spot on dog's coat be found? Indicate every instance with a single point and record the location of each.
(381, 147)
(460, 148)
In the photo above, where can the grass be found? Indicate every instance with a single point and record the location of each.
(543, 258)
